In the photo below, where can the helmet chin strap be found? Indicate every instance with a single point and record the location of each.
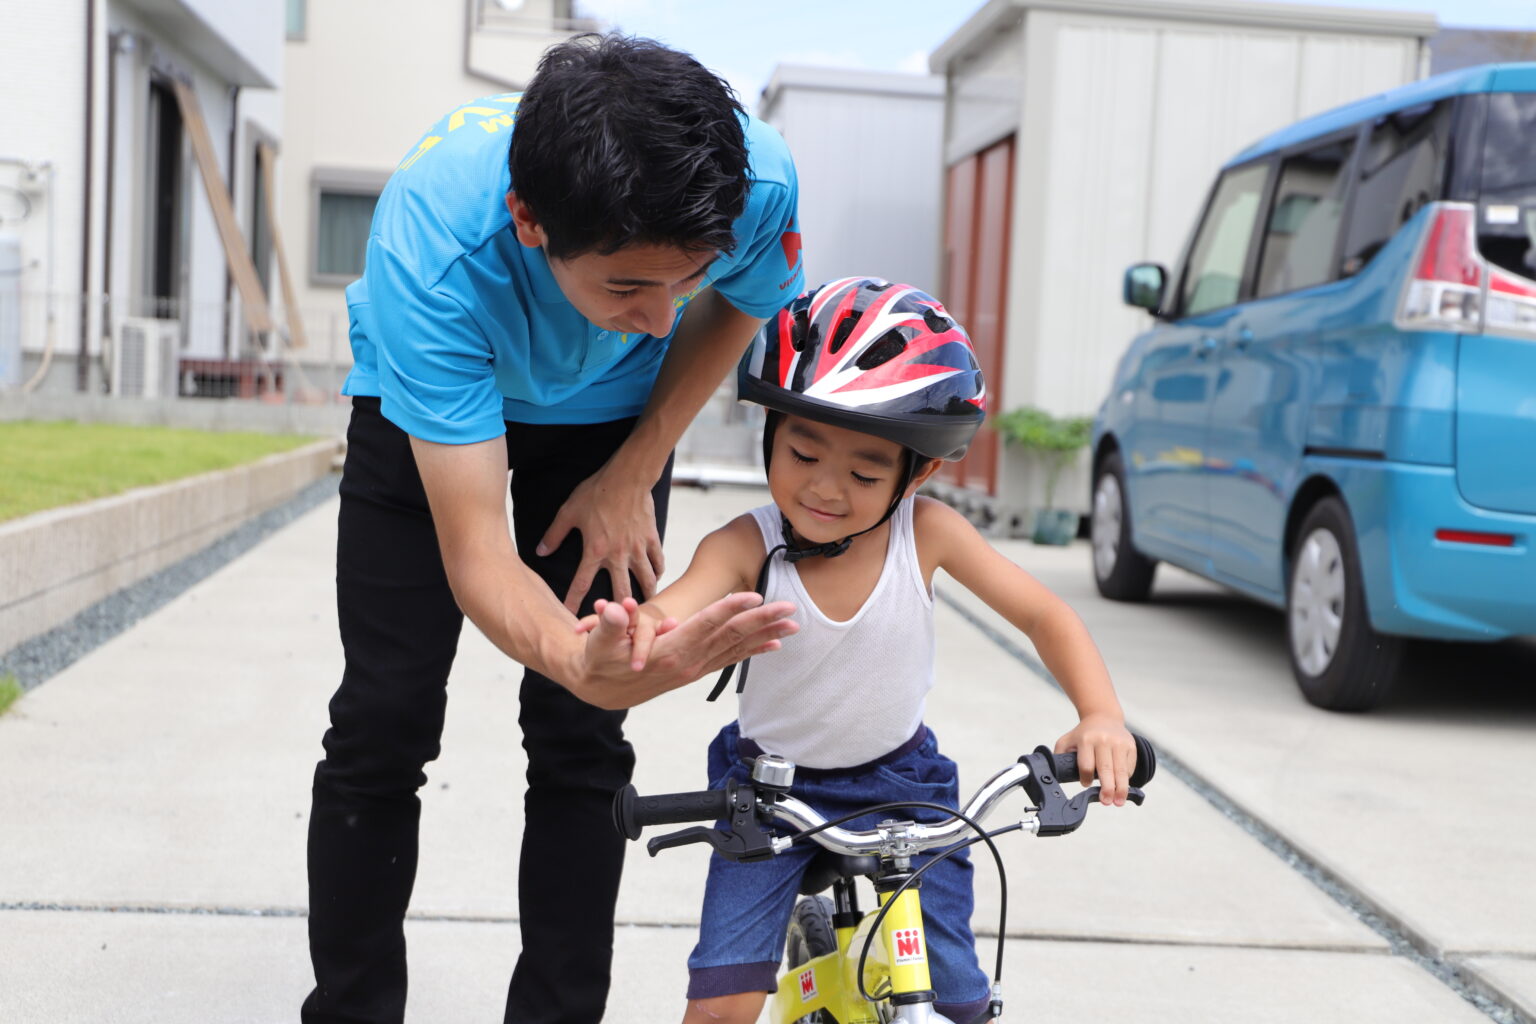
(794, 550)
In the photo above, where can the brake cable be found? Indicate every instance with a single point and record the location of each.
(981, 836)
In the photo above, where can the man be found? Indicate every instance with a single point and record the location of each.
(523, 307)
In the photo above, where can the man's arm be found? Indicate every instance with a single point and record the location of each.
(613, 508)
(466, 489)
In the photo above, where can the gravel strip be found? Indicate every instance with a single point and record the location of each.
(36, 660)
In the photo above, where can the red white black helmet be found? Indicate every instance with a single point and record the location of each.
(880, 358)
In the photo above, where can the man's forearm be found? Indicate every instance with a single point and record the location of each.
(708, 343)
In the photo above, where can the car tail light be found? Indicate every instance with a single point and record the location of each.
(1454, 288)
(1511, 303)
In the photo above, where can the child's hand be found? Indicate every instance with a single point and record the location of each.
(1105, 748)
(646, 623)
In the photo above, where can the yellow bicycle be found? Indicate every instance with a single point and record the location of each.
(845, 966)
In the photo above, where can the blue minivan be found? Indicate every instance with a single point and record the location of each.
(1335, 409)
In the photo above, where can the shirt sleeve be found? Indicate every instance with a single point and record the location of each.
(769, 269)
(436, 379)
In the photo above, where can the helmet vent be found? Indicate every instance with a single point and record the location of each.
(889, 345)
(936, 321)
(798, 332)
(840, 335)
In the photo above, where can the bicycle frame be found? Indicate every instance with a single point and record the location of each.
(829, 983)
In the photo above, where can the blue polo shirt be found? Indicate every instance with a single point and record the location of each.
(456, 326)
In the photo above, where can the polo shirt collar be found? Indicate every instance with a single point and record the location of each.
(545, 287)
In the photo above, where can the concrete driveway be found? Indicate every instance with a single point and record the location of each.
(151, 865)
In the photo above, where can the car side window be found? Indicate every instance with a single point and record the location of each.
(1303, 228)
(1214, 274)
(1400, 171)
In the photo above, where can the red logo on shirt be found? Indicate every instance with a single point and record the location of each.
(791, 243)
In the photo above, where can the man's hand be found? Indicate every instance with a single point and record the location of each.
(1104, 747)
(735, 627)
(617, 521)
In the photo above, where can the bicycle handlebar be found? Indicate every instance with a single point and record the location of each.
(632, 812)
(1040, 773)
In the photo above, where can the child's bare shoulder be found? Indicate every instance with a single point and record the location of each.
(738, 545)
(932, 516)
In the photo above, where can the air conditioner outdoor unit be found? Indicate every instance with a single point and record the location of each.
(145, 357)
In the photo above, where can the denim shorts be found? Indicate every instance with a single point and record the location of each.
(747, 906)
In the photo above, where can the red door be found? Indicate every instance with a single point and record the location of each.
(976, 231)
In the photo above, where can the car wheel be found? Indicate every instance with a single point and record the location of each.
(1121, 572)
(1339, 661)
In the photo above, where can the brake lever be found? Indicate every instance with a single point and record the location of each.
(745, 840)
(1057, 815)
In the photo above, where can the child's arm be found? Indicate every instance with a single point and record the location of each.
(723, 564)
(947, 540)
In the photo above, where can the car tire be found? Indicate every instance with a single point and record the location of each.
(1121, 572)
(1340, 662)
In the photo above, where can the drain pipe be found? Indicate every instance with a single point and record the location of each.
(82, 364)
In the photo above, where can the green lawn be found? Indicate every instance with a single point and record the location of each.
(44, 465)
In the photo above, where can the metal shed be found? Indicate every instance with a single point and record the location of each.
(1081, 136)
(867, 151)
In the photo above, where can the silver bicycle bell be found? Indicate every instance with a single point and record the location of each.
(772, 771)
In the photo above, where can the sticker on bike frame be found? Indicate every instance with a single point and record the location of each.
(909, 946)
(807, 986)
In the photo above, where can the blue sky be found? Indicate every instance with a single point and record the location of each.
(743, 42)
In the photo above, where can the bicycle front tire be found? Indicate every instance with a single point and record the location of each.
(810, 932)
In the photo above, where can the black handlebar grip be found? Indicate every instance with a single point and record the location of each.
(632, 812)
(1146, 764)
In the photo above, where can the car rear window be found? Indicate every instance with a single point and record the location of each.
(1507, 214)
(1400, 171)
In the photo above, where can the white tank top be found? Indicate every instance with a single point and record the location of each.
(840, 694)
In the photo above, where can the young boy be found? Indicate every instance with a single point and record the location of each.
(869, 386)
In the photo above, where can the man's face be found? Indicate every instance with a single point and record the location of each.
(636, 290)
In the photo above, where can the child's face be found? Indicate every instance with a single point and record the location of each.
(831, 482)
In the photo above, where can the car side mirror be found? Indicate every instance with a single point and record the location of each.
(1144, 286)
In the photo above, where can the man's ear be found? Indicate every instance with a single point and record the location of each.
(922, 476)
(529, 232)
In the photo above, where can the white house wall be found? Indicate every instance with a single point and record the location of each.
(42, 77)
(1127, 122)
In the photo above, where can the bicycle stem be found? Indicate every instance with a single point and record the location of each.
(896, 839)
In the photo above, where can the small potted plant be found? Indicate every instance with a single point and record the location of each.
(1055, 439)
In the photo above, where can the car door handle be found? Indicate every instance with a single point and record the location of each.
(1243, 339)
(1206, 345)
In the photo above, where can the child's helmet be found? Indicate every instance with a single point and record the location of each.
(880, 358)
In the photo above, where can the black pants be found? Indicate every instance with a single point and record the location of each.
(400, 628)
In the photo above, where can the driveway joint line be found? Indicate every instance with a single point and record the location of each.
(1404, 940)
(152, 910)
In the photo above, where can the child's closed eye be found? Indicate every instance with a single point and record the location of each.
(866, 481)
(801, 456)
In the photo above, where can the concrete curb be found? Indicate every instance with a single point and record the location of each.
(57, 562)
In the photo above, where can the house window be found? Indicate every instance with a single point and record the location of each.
(297, 19)
(343, 205)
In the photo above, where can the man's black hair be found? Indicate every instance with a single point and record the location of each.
(622, 141)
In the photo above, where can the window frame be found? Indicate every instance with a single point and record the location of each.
(1350, 174)
(336, 181)
(1250, 257)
